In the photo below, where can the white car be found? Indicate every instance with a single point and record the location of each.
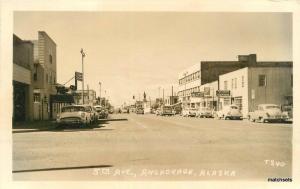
(189, 112)
(204, 112)
(230, 112)
(75, 115)
(267, 113)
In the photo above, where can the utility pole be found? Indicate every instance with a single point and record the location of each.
(82, 57)
(158, 92)
(88, 93)
(172, 97)
(163, 96)
(105, 99)
(100, 93)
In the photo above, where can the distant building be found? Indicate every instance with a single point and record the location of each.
(44, 75)
(170, 100)
(204, 76)
(22, 79)
(89, 97)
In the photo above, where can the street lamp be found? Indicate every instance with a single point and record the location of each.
(82, 56)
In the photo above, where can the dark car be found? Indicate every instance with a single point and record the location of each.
(140, 111)
(166, 111)
(102, 112)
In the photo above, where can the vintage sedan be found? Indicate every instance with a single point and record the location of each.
(190, 112)
(230, 112)
(166, 111)
(75, 115)
(139, 111)
(267, 113)
(102, 113)
(204, 112)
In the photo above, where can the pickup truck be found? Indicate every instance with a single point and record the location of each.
(267, 113)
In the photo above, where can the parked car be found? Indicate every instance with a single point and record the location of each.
(111, 111)
(204, 112)
(166, 110)
(158, 112)
(288, 111)
(190, 112)
(125, 111)
(267, 113)
(75, 115)
(102, 113)
(139, 111)
(94, 113)
(230, 112)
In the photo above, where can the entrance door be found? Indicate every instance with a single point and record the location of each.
(19, 94)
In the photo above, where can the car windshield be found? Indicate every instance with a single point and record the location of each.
(72, 109)
(272, 107)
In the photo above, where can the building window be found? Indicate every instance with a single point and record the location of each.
(235, 83)
(50, 58)
(232, 83)
(292, 80)
(36, 97)
(243, 81)
(50, 78)
(225, 85)
(47, 78)
(262, 80)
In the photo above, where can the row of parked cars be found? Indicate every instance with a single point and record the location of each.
(83, 115)
(262, 113)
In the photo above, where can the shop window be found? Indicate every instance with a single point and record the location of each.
(227, 101)
(235, 83)
(36, 97)
(243, 82)
(262, 80)
(225, 85)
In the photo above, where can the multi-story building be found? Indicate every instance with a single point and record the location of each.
(22, 79)
(44, 74)
(264, 82)
(198, 85)
(204, 72)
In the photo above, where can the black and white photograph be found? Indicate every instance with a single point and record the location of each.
(161, 95)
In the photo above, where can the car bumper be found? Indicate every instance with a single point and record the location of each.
(70, 121)
(235, 117)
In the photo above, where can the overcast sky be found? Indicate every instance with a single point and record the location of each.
(133, 52)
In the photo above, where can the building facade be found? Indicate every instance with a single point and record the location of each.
(215, 84)
(192, 78)
(22, 79)
(170, 100)
(89, 97)
(44, 75)
(263, 83)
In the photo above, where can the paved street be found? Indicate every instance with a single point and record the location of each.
(149, 147)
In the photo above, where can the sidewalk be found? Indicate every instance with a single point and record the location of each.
(33, 125)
